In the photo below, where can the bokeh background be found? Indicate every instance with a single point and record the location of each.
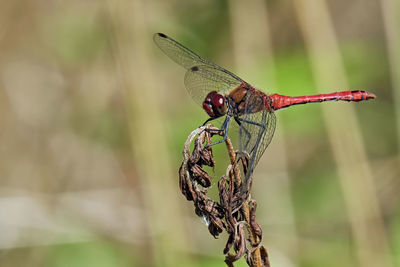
(94, 116)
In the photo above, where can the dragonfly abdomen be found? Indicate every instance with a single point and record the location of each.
(281, 101)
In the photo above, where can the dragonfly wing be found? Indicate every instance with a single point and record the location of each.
(202, 79)
(203, 76)
(177, 52)
(256, 130)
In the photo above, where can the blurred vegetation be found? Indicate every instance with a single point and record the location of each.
(93, 120)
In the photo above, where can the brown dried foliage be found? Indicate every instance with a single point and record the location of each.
(235, 212)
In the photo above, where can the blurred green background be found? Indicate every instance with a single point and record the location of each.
(94, 117)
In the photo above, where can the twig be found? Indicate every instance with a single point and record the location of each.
(235, 211)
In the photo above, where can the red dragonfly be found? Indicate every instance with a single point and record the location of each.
(222, 93)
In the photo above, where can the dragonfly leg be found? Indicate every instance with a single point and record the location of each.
(209, 119)
(224, 128)
(239, 121)
(251, 122)
(248, 133)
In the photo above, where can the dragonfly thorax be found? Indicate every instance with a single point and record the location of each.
(215, 105)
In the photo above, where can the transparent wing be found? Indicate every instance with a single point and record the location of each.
(203, 76)
(256, 130)
(202, 79)
(179, 53)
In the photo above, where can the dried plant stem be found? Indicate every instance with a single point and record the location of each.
(253, 237)
(235, 212)
(232, 157)
(245, 208)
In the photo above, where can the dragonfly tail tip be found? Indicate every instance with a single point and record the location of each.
(371, 96)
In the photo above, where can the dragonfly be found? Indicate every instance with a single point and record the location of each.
(222, 93)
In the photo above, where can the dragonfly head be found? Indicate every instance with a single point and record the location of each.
(215, 105)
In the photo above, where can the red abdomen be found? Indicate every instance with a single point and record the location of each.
(281, 101)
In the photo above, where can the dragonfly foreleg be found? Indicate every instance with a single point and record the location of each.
(208, 120)
(224, 128)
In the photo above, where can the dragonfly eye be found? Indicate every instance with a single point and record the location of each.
(215, 105)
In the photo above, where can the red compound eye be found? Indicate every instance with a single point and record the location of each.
(217, 101)
(215, 105)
